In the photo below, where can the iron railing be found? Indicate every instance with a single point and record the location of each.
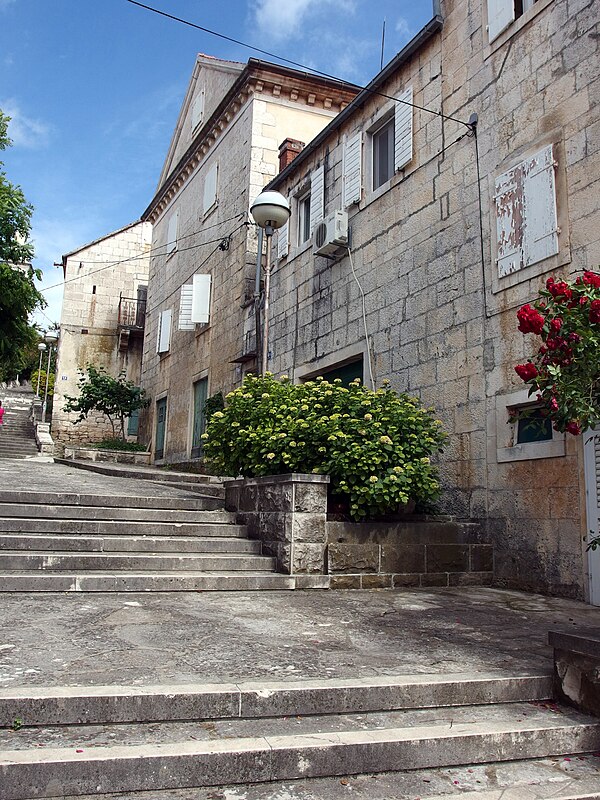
(132, 313)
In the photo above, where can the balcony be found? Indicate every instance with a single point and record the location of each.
(130, 320)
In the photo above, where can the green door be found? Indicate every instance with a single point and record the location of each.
(161, 424)
(200, 395)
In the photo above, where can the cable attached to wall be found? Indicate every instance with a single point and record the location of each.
(364, 317)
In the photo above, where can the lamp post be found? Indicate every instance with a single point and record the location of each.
(270, 211)
(41, 348)
(51, 338)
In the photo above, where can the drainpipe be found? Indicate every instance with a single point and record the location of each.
(257, 296)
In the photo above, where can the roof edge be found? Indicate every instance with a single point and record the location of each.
(426, 33)
(100, 239)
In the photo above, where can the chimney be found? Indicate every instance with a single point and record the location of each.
(288, 150)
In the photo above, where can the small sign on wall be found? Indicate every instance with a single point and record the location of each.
(64, 377)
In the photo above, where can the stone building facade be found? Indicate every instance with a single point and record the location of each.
(449, 234)
(201, 332)
(102, 321)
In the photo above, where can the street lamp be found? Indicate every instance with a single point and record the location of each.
(271, 211)
(50, 338)
(41, 348)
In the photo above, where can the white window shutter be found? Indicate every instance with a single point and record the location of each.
(352, 170)
(185, 308)
(540, 235)
(317, 196)
(526, 219)
(403, 130)
(197, 109)
(282, 241)
(210, 188)
(172, 232)
(201, 299)
(508, 198)
(501, 13)
(164, 331)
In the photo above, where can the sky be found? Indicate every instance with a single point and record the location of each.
(94, 88)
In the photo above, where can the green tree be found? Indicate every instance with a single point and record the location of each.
(18, 294)
(116, 398)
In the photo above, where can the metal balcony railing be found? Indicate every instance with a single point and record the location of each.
(132, 313)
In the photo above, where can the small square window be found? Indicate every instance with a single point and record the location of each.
(304, 218)
(383, 154)
(527, 438)
(533, 428)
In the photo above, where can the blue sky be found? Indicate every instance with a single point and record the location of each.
(94, 88)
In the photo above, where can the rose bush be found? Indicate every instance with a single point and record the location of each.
(564, 374)
(376, 446)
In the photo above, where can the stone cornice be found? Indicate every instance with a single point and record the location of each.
(258, 78)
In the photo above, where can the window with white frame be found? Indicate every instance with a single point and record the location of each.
(172, 232)
(163, 341)
(303, 216)
(194, 305)
(502, 13)
(526, 216)
(392, 140)
(522, 432)
(210, 188)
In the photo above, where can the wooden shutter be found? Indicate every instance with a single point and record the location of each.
(201, 298)
(501, 13)
(164, 332)
(210, 188)
(185, 308)
(317, 196)
(403, 130)
(526, 220)
(172, 232)
(282, 241)
(197, 110)
(352, 170)
(540, 235)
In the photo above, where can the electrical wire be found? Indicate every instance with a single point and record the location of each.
(159, 246)
(293, 63)
(198, 267)
(116, 263)
(364, 316)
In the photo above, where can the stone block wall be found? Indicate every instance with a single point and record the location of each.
(415, 552)
(288, 513)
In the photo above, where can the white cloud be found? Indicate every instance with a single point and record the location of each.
(281, 19)
(403, 28)
(24, 131)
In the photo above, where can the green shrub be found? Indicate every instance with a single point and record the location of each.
(119, 444)
(375, 445)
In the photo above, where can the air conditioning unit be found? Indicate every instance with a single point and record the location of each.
(331, 234)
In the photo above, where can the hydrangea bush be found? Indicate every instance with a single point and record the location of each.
(564, 374)
(376, 446)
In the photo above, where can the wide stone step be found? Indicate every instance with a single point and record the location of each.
(145, 562)
(284, 749)
(221, 526)
(139, 581)
(141, 473)
(91, 513)
(63, 705)
(104, 500)
(138, 544)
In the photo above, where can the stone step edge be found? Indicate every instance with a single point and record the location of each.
(31, 774)
(541, 791)
(131, 471)
(102, 500)
(258, 699)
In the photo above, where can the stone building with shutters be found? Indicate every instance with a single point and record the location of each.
(237, 124)
(102, 322)
(418, 230)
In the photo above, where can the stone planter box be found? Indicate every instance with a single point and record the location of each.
(288, 514)
(114, 456)
(577, 668)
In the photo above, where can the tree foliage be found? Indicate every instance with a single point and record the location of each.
(116, 398)
(18, 294)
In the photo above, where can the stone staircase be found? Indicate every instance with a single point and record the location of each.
(51, 542)
(17, 436)
(90, 741)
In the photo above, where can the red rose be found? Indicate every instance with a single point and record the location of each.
(556, 324)
(595, 311)
(553, 404)
(592, 279)
(574, 428)
(526, 372)
(559, 290)
(530, 320)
